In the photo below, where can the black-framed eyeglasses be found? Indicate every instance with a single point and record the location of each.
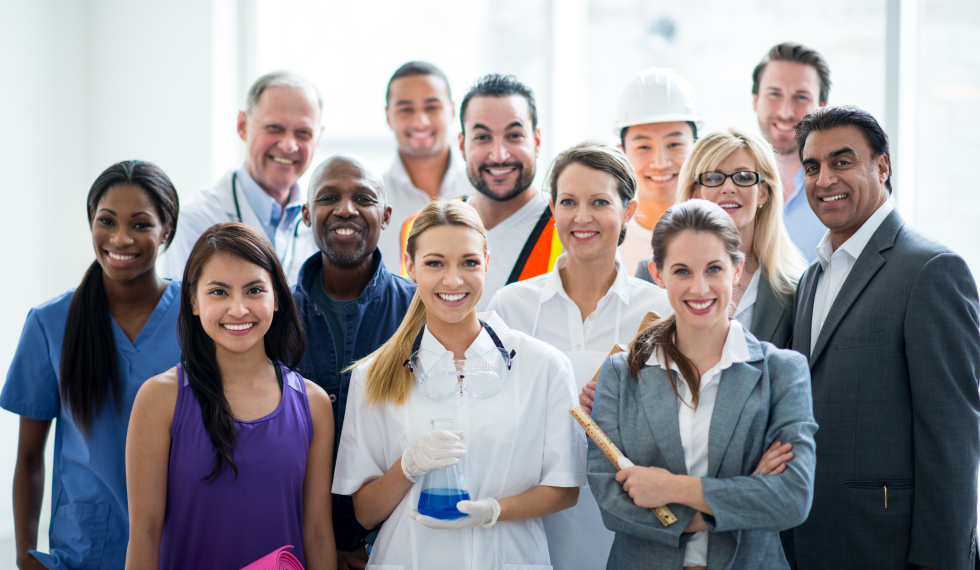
(741, 178)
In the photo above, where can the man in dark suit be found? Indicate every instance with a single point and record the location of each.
(889, 321)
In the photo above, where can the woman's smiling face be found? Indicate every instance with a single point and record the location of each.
(741, 202)
(127, 232)
(589, 213)
(236, 303)
(450, 266)
(698, 275)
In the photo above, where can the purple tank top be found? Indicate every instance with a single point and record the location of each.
(228, 524)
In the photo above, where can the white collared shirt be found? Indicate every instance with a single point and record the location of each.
(746, 305)
(518, 439)
(837, 266)
(406, 200)
(695, 424)
(541, 308)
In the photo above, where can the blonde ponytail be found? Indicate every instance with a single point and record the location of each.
(388, 380)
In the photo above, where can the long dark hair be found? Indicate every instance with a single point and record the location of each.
(697, 216)
(89, 371)
(284, 341)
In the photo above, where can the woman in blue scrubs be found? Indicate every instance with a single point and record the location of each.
(81, 359)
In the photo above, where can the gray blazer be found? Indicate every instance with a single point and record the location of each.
(759, 402)
(772, 319)
(895, 376)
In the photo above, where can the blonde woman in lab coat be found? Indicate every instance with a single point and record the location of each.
(524, 457)
(584, 307)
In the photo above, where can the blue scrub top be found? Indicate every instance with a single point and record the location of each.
(89, 512)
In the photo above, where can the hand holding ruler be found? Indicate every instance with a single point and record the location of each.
(615, 455)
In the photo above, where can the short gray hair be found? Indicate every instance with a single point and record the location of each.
(280, 78)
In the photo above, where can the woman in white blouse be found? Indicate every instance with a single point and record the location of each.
(737, 170)
(584, 307)
(507, 393)
(694, 404)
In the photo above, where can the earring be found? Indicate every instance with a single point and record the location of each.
(760, 206)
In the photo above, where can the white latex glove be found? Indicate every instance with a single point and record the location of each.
(483, 512)
(436, 449)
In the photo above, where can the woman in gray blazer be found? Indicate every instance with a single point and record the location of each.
(698, 433)
(737, 170)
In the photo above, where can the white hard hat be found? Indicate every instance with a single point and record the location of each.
(656, 95)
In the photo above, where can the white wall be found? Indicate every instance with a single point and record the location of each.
(87, 83)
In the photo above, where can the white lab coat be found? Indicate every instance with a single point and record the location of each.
(216, 204)
(539, 306)
(516, 440)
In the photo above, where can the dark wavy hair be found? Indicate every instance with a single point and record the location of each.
(497, 85)
(284, 341)
(89, 370)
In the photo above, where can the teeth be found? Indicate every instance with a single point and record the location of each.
(500, 171)
(661, 178)
(420, 135)
(451, 298)
(344, 231)
(584, 234)
(834, 198)
(122, 257)
(730, 206)
(699, 306)
(785, 127)
(244, 327)
(283, 160)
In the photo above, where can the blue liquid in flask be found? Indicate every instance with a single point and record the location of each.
(441, 503)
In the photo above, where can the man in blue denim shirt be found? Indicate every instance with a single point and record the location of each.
(341, 288)
(789, 83)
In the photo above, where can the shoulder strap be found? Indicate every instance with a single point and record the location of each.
(534, 250)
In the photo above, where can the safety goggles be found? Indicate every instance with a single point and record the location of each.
(441, 377)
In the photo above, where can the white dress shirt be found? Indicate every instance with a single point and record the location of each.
(541, 308)
(406, 200)
(746, 305)
(695, 424)
(837, 266)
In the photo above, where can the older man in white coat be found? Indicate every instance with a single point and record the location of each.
(281, 128)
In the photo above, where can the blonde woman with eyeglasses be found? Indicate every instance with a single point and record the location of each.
(737, 170)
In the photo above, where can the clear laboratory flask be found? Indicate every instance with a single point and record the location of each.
(443, 488)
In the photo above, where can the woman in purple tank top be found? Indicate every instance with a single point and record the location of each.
(229, 454)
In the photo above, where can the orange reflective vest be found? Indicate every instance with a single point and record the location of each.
(537, 257)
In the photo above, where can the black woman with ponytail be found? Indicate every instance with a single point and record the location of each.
(230, 453)
(716, 424)
(81, 359)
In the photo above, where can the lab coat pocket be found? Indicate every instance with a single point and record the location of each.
(80, 529)
(527, 567)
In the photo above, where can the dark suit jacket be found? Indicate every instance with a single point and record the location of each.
(895, 392)
(772, 319)
(760, 401)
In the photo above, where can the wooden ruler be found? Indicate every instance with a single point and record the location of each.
(613, 453)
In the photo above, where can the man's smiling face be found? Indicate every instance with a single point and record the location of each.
(788, 91)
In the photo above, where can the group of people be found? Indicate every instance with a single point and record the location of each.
(278, 376)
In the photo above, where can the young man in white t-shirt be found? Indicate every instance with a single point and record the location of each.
(419, 109)
(500, 143)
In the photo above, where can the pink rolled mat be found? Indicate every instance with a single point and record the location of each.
(277, 560)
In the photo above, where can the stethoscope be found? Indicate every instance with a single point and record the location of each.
(238, 210)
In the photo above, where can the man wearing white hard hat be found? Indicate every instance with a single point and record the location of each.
(789, 83)
(657, 122)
